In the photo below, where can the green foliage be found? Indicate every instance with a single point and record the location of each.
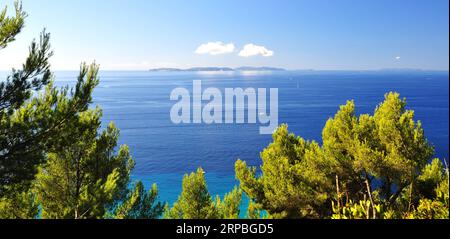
(56, 163)
(293, 184)
(27, 126)
(19, 205)
(430, 177)
(140, 204)
(195, 201)
(254, 211)
(82, 174)
(368, 167)
(229, 208)
(33, 113)
(437, 208)
(389, 147)
(419, 206)
(429, 209)
(52, 157)
(11, 26)
(360, 210)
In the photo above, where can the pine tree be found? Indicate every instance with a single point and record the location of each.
(140, 204)
(195, 201)
(19, 205)
(368, 167)
(432, 193)
(32, 115)
(83, 175)
(229, 207)
(389, 148)
(52, 158)
(11, 26)
(431, 176)
(293, 182)
(30, 125)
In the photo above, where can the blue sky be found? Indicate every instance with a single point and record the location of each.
(313, 34)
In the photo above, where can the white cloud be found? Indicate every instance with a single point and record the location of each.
(398, 58)
(254, 50)
(215, 48)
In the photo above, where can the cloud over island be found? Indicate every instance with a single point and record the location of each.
(220, 48)
(215, 48)
(255, 50)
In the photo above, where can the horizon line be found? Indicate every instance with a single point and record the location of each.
(284, 69)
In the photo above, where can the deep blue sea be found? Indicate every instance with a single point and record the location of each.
(139, 104)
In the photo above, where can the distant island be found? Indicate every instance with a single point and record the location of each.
(223, 69)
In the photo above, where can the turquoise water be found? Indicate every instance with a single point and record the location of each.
(139, 103)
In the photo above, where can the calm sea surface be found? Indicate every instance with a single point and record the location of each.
(139, 104)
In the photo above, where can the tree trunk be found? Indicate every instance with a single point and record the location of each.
(369, 191)
(338, 196)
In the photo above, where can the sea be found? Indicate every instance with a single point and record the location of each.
(139, 104)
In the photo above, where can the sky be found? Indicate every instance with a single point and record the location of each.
(296, 34)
